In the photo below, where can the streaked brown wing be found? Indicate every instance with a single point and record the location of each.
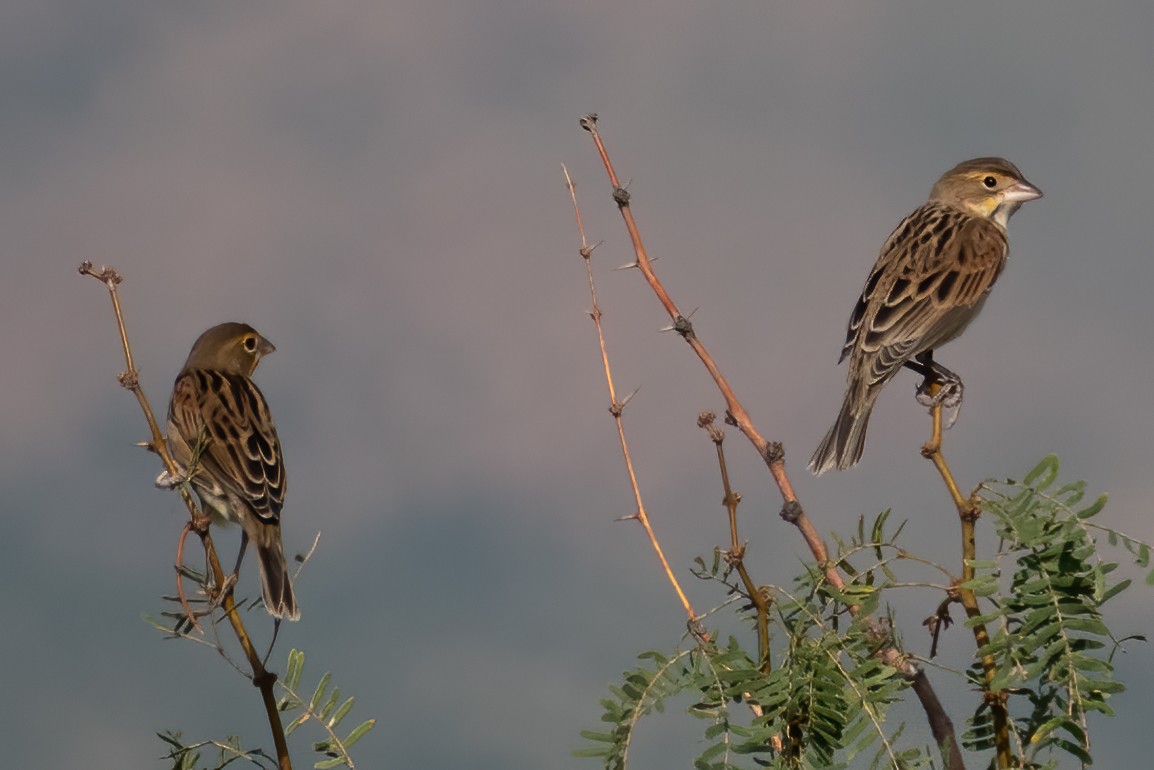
(227, 415)
(929, 282)
(896, 259)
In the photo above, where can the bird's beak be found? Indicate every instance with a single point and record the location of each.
(267, 347)
(1021, 192)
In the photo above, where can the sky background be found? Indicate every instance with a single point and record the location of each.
(377, 188)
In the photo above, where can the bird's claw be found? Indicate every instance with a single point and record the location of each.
(948, 396)
(168, 480)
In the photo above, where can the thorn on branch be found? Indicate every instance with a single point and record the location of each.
(587, 251)
(791, 511)
(618, 407)
(730, 419)
(633, 265)
(682, 326)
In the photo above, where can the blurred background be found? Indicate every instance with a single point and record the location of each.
(377, 188)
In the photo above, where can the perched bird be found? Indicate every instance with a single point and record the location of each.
(929, 282)
(221, 432)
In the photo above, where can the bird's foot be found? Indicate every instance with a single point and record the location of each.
(945, 393)
(168, 480)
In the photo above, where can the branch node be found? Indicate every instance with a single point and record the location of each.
(105, 274)
(698, 632)
(589, 122)
(791, 511)
(265, 678)
(587, 251)
(774, 452)
(705, 421)
(682, 326)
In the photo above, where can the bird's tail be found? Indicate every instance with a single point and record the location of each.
(279, 599)
(842, 447)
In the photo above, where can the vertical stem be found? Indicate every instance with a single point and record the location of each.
(130, 379)
(968, 513)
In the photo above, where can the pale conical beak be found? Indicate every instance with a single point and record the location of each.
(267, 347)
(1021, 192)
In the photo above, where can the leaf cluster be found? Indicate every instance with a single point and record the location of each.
(822, 699)
(324, 706)
(1046, 589)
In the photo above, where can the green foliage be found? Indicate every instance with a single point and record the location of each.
(826, 694)
(823, 696)
(226, 753)
(324, 706)
(1047, 588)
(644, 690)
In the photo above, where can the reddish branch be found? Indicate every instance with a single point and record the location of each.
(773, 454)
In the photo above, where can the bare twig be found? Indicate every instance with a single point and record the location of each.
(617, 409)
(735, 556)
(130, 379)
(771, 452)
(968, 512)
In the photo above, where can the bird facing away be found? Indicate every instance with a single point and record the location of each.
(929, 282)
(221, 432)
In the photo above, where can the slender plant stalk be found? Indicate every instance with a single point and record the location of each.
(968, 512)
(736, 553)
(617, 409)
(130, 379)
(774, 456)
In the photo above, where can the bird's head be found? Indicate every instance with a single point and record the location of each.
(234, 348)
(991, 188)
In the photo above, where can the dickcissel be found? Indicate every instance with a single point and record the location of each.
(929, 282)
(222, 434)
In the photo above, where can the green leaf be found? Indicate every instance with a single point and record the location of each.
(320, 691)
(341, 712)
(1043, 474)
(1094, 508)
(359, 731)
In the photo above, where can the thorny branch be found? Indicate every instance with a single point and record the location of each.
(773, 454)
(130, 379)
(617, 409)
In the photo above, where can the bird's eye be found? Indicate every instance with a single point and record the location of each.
(990, 182)
(250, 344)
